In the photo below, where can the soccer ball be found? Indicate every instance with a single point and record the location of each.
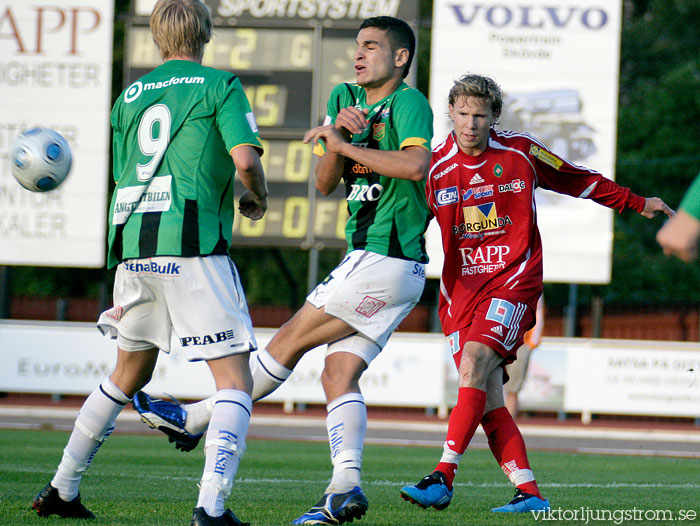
(41, 159)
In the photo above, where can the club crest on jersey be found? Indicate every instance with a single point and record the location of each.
(498, 170)
(446, 196)
(483, 217)
(546, 157)
(378, 131)
(369, 306)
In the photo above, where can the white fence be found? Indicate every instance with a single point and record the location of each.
(414, 370)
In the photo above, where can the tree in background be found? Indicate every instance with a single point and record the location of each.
(657, 148)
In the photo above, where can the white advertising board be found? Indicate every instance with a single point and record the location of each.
(640, 379)
(558, 67)
(55, 71)
(414, 370)
(623, 377)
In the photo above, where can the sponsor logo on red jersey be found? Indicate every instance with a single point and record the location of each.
(477, 179)
(483, 259)
(483, 191)
(447, 196)
(483, 217)
(515, 186)
(445, 171)
(546, 157)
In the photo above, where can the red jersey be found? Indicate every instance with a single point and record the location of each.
(485, 206)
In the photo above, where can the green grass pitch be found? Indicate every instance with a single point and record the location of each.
(139, 480)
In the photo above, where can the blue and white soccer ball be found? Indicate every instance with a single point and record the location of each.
(41, 159)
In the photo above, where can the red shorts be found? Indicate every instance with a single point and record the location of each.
(497, 323)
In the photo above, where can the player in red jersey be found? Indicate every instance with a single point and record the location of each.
(481, 191)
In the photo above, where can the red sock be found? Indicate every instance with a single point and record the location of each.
(464, 419)
(508, 447)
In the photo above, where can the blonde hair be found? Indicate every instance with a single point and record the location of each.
(471, 85)
(181, 27)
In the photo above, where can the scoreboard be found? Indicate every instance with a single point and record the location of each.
(289, 54)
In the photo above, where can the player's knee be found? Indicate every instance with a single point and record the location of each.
(477, 363)
(337, 379)
(283, 346)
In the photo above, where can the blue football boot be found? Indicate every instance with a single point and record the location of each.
(336, 508)
(167, 416)
(431, 491)
(523, 503)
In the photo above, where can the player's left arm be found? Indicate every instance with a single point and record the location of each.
(609, 193)
(654, 205)
(562, 176)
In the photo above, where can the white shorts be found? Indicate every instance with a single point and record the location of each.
(199, 300)
(371, 293)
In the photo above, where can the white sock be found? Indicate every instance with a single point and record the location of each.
(449, 456)
(198, 415)
(268, 374)
(95, 422)
(224, 446)
(346, 424)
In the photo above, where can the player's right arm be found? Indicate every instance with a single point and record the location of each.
(410, 162)
(329, 172)
(236, 122)
(329, 169)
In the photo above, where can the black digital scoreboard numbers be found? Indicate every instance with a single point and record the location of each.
(289, 54)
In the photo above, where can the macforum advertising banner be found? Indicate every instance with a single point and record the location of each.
(55, 72)
(558, 66)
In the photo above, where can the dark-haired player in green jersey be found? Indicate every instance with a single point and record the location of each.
(176, 131)
(376, 139)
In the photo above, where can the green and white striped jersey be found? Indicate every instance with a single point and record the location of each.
(387, 215)
(174, 130)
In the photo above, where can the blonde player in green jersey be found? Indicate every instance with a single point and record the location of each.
(175, 132)
(376, 139)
